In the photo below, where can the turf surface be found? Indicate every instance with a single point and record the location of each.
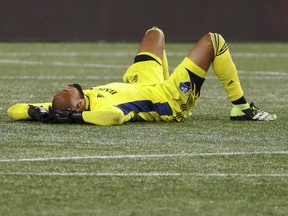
(206, 165)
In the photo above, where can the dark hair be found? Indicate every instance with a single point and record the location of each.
(79, 88)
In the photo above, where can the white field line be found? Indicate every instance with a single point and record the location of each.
(249, 55)
(28, 77)
(121, 54)
(68, 54)
(264, 74)
(99, 157)
(94, 65)
(268, 74)
(149, 174)
(257, 74)
(58, 63)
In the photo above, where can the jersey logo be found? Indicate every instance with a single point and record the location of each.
(134, 80)
(185, 87)
(100, 96)
(109, 90)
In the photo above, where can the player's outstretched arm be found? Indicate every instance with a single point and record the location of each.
(110, 116)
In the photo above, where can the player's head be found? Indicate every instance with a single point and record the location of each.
(70, 97)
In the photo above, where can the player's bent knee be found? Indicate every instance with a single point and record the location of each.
(153, 29)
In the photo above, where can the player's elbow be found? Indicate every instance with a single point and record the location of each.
(118, 118)
(115, 118)
(107, 117)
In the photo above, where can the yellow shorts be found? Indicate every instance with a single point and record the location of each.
(146, 70)
(181, 89)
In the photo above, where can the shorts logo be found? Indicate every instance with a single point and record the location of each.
(185, 87)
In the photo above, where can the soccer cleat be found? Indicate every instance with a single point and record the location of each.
(252, 113)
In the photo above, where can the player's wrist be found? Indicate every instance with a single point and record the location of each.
(76, 117)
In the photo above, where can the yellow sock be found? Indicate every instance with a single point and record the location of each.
(165, 66)
(242, 106)
(224, 67)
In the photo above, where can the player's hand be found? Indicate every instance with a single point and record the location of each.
(66, 116)
(39, 113)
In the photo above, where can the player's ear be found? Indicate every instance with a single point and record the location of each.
(81, 104)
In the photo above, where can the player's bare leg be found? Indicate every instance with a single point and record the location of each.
(153, 42)
(212, 48)
(202, 54)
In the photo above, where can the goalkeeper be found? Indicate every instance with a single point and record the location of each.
(148, 92)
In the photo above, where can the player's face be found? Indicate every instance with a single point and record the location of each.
(76, 93)
(70, 97)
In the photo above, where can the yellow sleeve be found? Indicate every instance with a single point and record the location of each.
(20, 111)
(109, 116)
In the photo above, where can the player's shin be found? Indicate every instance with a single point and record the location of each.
(225, 68)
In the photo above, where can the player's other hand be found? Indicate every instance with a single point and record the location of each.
(39, 113)
(66, 116)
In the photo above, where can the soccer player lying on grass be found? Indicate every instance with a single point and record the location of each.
(148, 93)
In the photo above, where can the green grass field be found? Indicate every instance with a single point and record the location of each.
(206, 165)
